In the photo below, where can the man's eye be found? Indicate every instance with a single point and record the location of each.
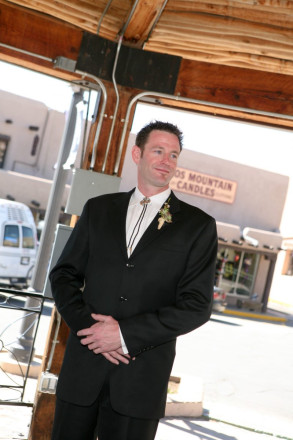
(174, 156)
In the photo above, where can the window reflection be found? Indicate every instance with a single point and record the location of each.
(11, 236)
(27, 238)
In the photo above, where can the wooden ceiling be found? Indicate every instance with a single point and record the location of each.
(252, 34)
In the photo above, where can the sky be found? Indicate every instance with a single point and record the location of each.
(254, 145)
(250, 144)
(55, 93)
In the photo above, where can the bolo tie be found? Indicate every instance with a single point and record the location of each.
(144, 202)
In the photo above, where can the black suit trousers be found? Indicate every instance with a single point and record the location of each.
(99, 421)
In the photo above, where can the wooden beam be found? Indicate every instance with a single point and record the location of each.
(236, 86)
(239, 115)
(38, 34)
(225, 40)
(253, 34)
(144, 16)
(276, 13)
(243, 88)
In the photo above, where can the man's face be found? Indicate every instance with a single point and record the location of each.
(156, 164)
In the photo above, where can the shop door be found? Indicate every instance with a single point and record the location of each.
(247, 272)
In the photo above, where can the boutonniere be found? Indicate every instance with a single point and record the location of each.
(165, 215)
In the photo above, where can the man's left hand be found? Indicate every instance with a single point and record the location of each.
(103, 336)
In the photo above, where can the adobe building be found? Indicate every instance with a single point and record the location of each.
(30, 139)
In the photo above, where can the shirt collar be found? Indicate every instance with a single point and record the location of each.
(157, 199)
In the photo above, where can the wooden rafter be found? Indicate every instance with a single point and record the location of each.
(144, 17)
(255, 34)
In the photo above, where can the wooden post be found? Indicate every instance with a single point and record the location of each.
(44, 404)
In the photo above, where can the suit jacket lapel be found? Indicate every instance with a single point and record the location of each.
(118, 212)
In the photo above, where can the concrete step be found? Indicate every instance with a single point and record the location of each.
(185, 397)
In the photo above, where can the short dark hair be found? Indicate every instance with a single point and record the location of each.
(143, 135)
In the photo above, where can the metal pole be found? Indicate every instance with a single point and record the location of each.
(23, 348)
(55, 199)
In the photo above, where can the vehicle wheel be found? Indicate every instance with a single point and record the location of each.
(29, 276)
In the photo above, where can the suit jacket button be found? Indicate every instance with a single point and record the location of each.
(122, 299)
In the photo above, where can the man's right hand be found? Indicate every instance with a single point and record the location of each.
(116, 356)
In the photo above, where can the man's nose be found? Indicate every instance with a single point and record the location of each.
(166, 159)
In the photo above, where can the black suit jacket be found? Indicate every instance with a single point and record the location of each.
(165, 289)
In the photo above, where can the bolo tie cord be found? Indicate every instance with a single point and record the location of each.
(137, 225)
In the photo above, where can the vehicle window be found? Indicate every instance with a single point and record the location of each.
(11, 236)
(27, 237)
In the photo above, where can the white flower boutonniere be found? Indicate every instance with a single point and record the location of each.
(165, 215)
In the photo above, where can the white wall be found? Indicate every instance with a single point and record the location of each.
(24, 113)
(24, 188)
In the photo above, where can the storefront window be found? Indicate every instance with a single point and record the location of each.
(235, 271)
(247, 271)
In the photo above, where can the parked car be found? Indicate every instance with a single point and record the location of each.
(220, 299)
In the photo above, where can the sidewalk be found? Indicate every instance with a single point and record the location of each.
(228, 423)
(205, 429)
(14, 424)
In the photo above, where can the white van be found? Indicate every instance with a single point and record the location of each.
(18, 243)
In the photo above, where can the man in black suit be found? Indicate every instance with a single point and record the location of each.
(137, 272)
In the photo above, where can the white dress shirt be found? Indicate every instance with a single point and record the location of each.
(133, 213)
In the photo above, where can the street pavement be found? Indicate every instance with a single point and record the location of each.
(15, 420)
(233, 423)
(201, 429)
(14, 424)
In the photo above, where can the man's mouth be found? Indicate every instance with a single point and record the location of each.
(162, 170)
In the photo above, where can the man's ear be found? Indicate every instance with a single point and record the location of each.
(136, 153)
